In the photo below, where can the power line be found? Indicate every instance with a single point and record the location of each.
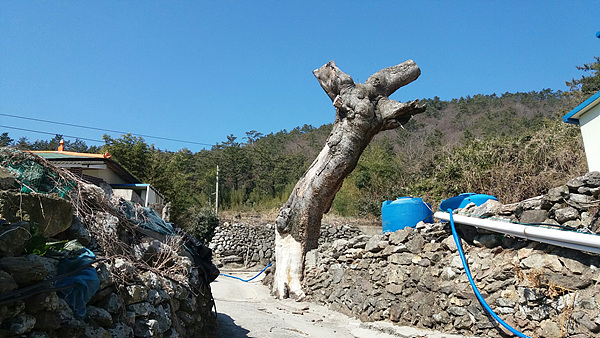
(102, 129)
(54, 134)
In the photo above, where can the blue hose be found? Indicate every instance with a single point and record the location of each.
(247, 280)
(475, 290)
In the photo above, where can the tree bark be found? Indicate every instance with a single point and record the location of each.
(362, 111)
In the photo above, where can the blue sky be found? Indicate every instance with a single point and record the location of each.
(201, 70)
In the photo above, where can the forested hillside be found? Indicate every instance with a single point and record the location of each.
(513, 145)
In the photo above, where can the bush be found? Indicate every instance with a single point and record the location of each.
(202, 224)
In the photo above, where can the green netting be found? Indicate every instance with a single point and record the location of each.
(33, 174)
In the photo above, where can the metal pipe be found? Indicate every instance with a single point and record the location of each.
(569, 239)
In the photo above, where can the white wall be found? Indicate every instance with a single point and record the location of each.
(105, 174)
(590, 132)
(128, 195)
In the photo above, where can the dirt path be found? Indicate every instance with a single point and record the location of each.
(248, 310)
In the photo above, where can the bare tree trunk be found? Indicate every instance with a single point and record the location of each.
(362, 111)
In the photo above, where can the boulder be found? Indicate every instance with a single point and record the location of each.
(13, 237)
(25, 270)
(8, 180)
(50, 212)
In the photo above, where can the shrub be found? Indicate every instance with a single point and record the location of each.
(202, 224)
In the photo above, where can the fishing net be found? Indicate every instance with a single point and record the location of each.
(34, 174)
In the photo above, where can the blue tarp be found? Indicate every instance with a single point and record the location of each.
(84, 284)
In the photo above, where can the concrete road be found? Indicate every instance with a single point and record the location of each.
(248, 310)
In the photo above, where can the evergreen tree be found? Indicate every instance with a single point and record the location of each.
(588, 85)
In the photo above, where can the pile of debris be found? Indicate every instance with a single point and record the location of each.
(76, 263)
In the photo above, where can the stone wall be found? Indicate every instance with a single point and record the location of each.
(253, 245)
(415, 277)
(151, 288)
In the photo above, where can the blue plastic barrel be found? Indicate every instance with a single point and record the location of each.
(462, 200)
(404, 212)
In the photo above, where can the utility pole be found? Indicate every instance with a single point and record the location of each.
(217, 193)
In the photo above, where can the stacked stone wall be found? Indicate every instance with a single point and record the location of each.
(253, 245)
(415, 276)
(152, 289)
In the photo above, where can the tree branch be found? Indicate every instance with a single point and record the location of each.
(395, 114)
(388, 80)
(332, 79)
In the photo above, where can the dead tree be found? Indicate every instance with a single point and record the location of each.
(362, 111)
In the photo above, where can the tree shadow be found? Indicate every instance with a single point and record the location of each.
(229, 329)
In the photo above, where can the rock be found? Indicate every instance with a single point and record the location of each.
(394, 289)
(592, 179)
(457, 311)
(53, 214)
(447, 274)
(505, 302)
(161, 315)
(47, 320)
(121, 330)
(99, 316)
(44, 302)
(403, 258)
(13, 237)
(143, 309)
(566, 214)
(8, 180)
(113, 303)
(531, 203)
(487, 241)
(7, 282)
(376, 244)
(146, 328)
(136, 293)
(358, 242)
(575, 183)
(79, 232)
(548, 328)
(568, 282)
(556, 195)
(533, 216)
(122, 267)
(585, 320)
(456, 263)
(398, 237)
(415, 244)
(573, 265)
(96, 332)
(25, 270)
(19, 325)
(582, 201)
(539, 261)
(450, 244)
(488, 209)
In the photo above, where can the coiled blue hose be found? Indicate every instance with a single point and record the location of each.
(247, 280)
(472, 282)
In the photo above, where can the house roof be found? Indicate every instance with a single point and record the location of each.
(574, 115)
(69, 157)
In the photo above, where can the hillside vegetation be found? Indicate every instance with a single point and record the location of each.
(513, 146)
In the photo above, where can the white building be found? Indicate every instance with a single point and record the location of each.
(101, 169)
(587, 116)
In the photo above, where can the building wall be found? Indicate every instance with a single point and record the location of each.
(128, 195)
(590, 131)
(106, 174)
(153, 197)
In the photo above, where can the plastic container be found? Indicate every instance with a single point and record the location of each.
(462, 200)
(404, 212)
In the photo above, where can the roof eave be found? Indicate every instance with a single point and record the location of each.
(573, 116)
